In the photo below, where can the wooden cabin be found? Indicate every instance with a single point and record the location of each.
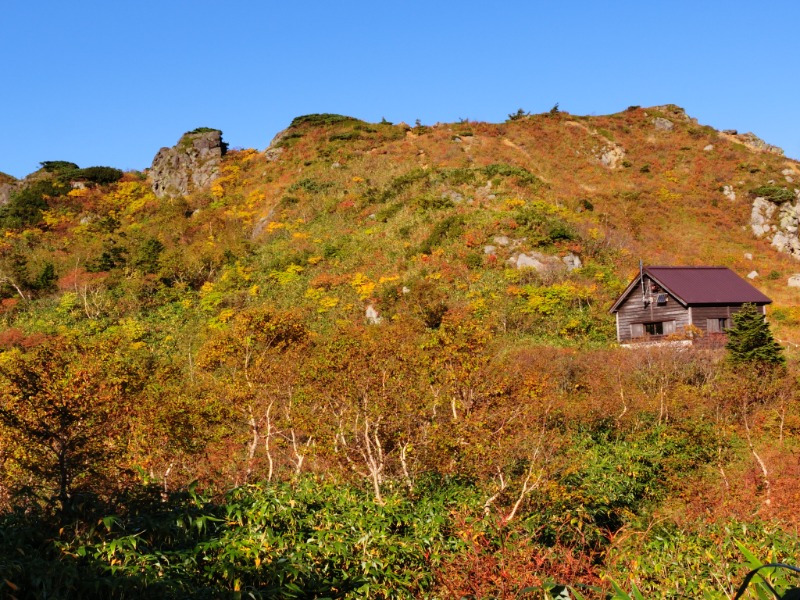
(664, 301)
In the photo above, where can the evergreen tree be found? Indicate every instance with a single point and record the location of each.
(750, 339)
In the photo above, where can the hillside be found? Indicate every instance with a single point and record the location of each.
(408, 318)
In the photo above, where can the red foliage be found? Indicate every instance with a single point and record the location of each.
(16, 338)
(79, 278)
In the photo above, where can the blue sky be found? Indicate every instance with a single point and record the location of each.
(109, 83)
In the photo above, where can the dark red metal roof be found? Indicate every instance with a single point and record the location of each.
(706, 285)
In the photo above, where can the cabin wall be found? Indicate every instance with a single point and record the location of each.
(632, 312)
(701, 314)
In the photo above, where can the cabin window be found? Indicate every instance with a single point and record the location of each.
(655, 328)
(717, 324)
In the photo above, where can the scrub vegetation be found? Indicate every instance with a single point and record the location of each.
(195, 400)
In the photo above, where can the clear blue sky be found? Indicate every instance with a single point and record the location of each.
(110, 82)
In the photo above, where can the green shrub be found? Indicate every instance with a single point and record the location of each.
(312, 186)
(774, 193)
(318, 119)
(344, 136)
(58, 166)
(203, 130)
(448, 228)
(99, 175)
(522, 175)
(25, 206)
(388, 212)
(433, 202)
(147, 257)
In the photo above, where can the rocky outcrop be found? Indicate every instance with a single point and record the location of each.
(779, 223)
(6, 189)
(191, 164)
(751, 141)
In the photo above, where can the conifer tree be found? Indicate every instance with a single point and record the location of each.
(750, 339)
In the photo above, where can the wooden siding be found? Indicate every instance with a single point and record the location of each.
(701, 314)
(631, 312)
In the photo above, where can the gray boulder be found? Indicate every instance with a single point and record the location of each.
(536, 261)
(663, 124)
(190, 164)
(572, 260)
(372, 316)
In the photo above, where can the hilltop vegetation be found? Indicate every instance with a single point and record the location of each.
(326, 374)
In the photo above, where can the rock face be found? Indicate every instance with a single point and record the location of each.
(191, 164)
(6, 189)
(779, 223)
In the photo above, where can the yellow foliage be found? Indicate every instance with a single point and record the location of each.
(50, 218)
(324, 301)
(383, 280)
(78, 193)
(546, 300)
(225, 315)
(291, 273)
(513, 203)
(217, 190)
(256, 196)
(130, 196)
(275, 226)
(666, 196)
(300, 235)
(363, 285)
(313, 260)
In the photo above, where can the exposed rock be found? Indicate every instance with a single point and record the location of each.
(787, 173)
(748, 256)
(779, 224)
(501, 240)
(572, 261)
(273, 154)
(752, 141)
(454, 197)
(191, 164)
(752, 274)
(489, 249)
(612, 156)
(372, 316)
(762, 212)
(663, 124)
(6, 189)
(536, 261)
(729, 131)
(794, 280)
(675, 112)
(708, 148)
(727, 191)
